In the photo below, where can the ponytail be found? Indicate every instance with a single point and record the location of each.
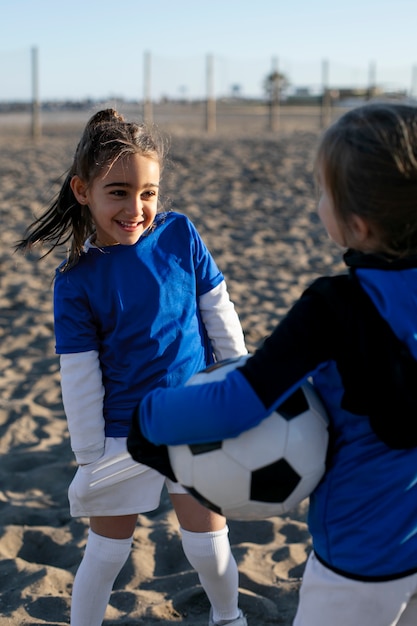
(65, 219)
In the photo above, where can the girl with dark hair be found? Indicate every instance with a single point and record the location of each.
(139, 304)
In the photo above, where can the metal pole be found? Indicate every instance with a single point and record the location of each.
(36, 126)
(413, 89)
(325, 99)
(147, 98)
(274, 108)
(372, 80)
(211, 101)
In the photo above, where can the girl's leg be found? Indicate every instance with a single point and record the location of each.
(327, 599)
(206, 546)
(108, 547)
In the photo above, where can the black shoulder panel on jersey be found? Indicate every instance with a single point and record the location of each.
(378, 372)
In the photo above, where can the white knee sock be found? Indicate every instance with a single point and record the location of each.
(210, 555)
(103, 559)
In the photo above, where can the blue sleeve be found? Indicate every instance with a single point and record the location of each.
(208, 275)
(75, 330)
(201, 413)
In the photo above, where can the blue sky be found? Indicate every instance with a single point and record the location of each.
(96, 48)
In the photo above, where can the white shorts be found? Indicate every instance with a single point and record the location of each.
(326, 599)
(115, 484)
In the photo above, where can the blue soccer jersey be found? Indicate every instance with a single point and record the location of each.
(138, 307)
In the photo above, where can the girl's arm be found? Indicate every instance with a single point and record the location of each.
(300, 345)
(222, 323)
(82, 395)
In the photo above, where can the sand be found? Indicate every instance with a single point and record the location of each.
(253, 200)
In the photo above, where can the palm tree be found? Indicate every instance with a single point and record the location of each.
(274, 84)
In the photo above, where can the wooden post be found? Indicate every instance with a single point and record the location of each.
(325, 117)
(274, 98)
(35, 126)
(147, 97)
(211, 101)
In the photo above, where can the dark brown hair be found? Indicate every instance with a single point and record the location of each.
(368, 162)
(107, 138)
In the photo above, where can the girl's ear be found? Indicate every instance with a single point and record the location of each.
(363, 233)
(360, 227)
(79, 189)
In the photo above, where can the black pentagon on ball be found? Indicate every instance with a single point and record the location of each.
(203, 501)
(293, 406)
(202, 448)
(274, 482)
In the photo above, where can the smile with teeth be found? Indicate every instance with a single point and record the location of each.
(129, 224)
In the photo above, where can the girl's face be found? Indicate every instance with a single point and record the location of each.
(122, 199)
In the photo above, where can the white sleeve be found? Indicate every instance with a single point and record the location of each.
(82, 396)
(222, 323)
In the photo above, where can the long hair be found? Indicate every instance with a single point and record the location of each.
(107, 138)
(368, 161)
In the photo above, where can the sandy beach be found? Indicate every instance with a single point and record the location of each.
(253, 200)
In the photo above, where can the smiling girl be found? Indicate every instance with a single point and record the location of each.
(139, 304)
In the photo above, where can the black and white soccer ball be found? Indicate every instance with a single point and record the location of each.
(265, 471)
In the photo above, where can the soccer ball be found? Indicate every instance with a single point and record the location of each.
(265, 471)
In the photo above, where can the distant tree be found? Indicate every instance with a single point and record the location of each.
(274, 85)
